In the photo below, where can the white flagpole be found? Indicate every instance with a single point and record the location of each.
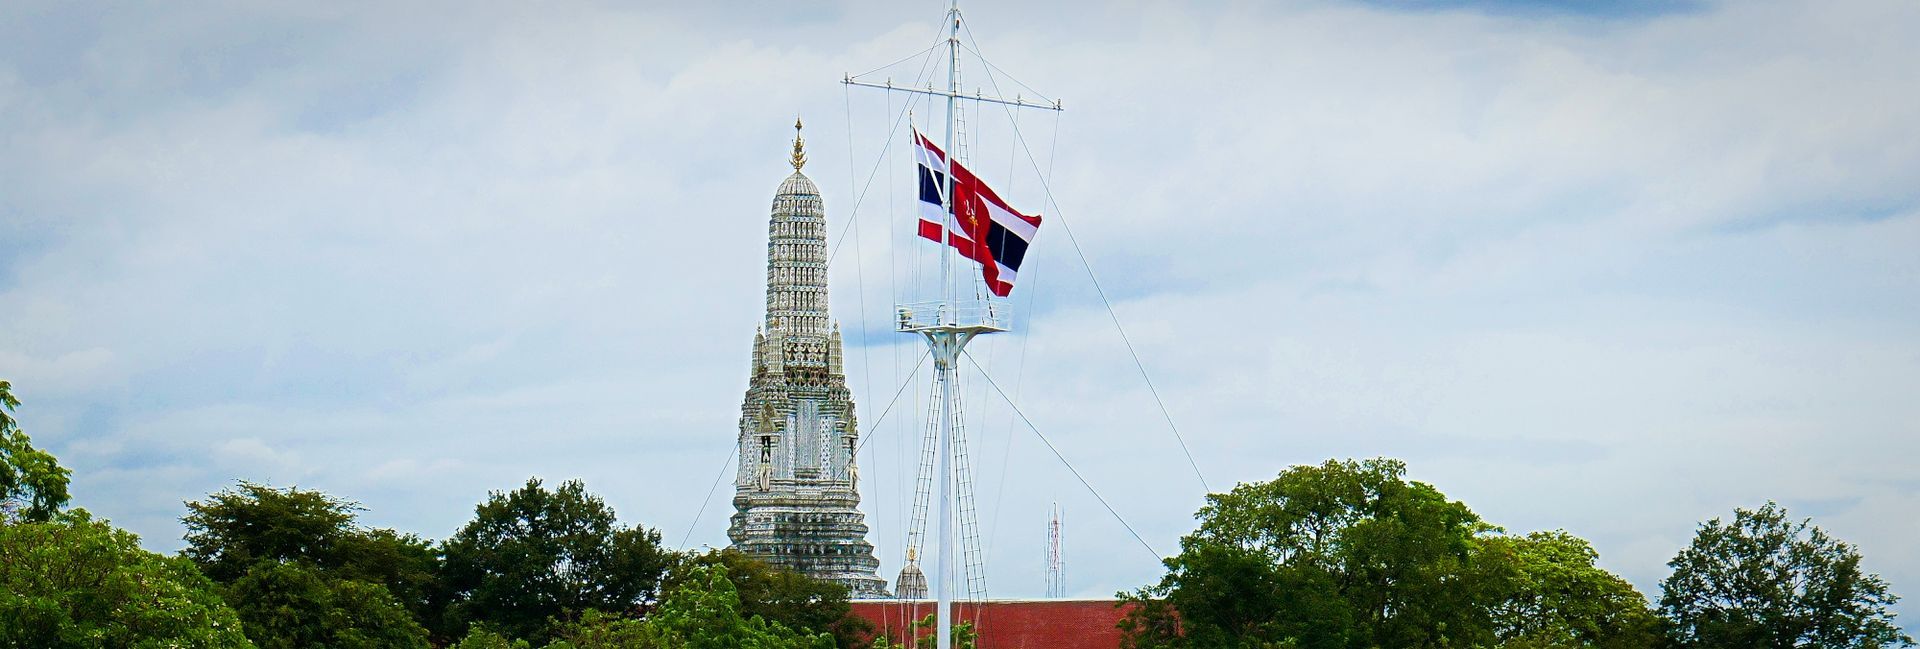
(955, 341)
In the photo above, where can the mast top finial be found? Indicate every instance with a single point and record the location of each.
(799, 147)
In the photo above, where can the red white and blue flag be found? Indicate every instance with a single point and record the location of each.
(982, 226)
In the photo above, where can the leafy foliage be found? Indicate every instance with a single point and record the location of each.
(234, 529)
(289, 605)
(481, 638)
(297, 564)
(703, 612)
(925, 634)
(596, 630)
(1557, 597)
(407, 565)
(794, 600)
(1345, 554)
(536, 554)
(1766, 581)
(76, 582)
(33, 485)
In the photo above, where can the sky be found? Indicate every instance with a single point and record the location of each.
(1613, 268)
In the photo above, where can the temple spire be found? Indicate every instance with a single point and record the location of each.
(796, 495)
(799, 147)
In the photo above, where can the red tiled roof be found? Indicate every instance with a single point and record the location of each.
(1011, 624)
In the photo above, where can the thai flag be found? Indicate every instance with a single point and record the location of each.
(984, 228)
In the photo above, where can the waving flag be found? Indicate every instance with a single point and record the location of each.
(983, 227)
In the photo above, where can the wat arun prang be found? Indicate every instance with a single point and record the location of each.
(796, 498)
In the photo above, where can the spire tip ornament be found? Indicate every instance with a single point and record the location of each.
(799, 147)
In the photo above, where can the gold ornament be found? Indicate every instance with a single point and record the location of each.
(799, 147)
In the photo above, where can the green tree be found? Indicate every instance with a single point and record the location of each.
(536, 554)
(33, 485)
(1345, 554)
(701, 610)
(924, 633)
(236, 528)
(792, 599)
(407, 565)
(1764, 580)
(597, 630)
(307, 541)
(292, 604)
(76, 582)
(480, 638)
(1559, 598)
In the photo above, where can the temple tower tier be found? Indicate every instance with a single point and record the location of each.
(796, 497)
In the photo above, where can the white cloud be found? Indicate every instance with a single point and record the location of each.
(69, 371)
(251, 457)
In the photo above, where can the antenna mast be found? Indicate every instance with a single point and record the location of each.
(1056, 575)
(948, 325)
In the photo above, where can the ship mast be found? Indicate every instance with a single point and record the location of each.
(946, 251)
(946, 344)
(948, 325)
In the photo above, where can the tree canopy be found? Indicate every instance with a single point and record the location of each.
(292, 604)
(77, 582)
(789, 598)
(535, 554)
(236, 528)
(1345, 554)
(33, 485)
(1557, 597)
(1352, 555)
(925, 634)
(701, 609)
(301, 571)
(1764, 580)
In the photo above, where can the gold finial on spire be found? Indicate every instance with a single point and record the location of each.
(799, 147)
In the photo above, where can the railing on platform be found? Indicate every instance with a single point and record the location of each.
(990, 314)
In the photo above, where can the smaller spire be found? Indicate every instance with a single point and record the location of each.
(799, 147)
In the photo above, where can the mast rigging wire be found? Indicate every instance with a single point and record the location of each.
(703, 502)
(904, 59)
(994, 68)
(896, 399)
(1063, 459)
(1019, 373)
(859, 269)
(862, 197)
(1084, 263)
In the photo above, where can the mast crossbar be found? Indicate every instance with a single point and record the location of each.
(1018, 102)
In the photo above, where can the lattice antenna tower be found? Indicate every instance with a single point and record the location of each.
(1056, 571)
